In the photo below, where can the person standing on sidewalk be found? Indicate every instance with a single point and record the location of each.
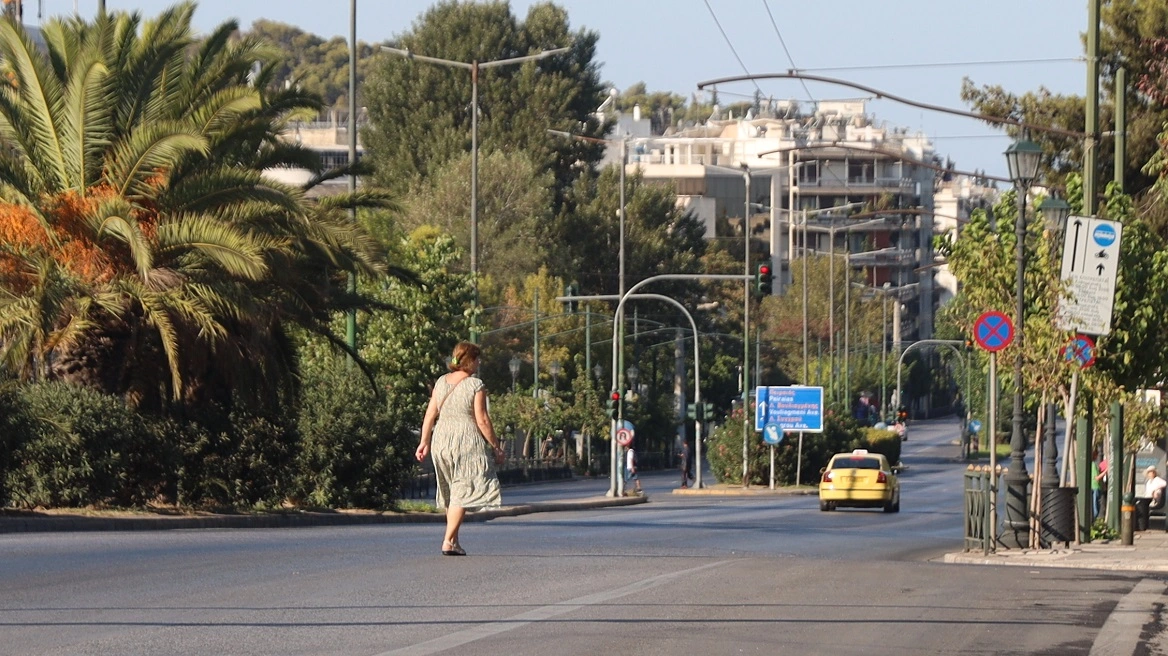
(631, 469)
(686, 476)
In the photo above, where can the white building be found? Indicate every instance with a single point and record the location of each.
(833, 155)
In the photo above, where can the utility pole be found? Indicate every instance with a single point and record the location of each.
(1091, 146)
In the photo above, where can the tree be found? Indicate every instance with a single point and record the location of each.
(144, 253)
(1129, 29)
(514, 211)
(420, 113)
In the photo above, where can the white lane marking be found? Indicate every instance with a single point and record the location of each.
(459, 638)
(1121, 632)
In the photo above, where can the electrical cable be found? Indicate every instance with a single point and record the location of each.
(995, 62)
(784, 44)
(728, 43)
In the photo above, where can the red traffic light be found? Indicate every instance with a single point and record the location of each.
(615, 396)
(764, 270)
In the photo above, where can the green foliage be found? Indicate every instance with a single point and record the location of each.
(514, 211)
(77, 447)
(420, 114)
(353, 451)
(886, 442)
(1101, 531)
(724, 451)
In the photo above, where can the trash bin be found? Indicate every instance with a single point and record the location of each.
(1057, 521)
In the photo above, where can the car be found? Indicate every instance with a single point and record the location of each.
(859, 479)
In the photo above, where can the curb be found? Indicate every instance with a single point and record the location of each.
(60, 523)
(726, 491)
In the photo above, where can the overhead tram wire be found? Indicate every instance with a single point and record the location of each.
(729, 43)
(992, 62)
(785, 49)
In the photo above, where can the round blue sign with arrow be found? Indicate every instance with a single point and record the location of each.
(974, 426)
(771, 434)
(993, 331)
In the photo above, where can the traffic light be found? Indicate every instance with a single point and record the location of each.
(764, 279)
(612, 404)
(570, 290)
(968, 344)
(691, 411)
(707, 411)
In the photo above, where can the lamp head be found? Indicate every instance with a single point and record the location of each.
(1023, 158)
(1055, 212)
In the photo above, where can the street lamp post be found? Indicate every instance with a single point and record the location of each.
(633, 374)
(554, 370)
(474, 67)
(1022, 158)
(513, 365)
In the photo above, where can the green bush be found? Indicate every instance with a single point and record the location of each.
(239, 459)
(352, 452)
(878, 440)
(724, 451)
(72, 446)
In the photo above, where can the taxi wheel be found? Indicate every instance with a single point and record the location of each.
(825, 506)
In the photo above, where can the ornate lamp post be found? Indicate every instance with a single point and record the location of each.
(513, 365)
(633, 374)
(1022, 158)
(554, 370)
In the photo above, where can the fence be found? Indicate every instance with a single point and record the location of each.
(979, 486)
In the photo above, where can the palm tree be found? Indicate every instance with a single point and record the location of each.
(145, 253)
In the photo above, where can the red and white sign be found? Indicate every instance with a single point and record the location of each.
(624, 436)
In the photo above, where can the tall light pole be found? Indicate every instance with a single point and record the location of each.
(351, 315)
(474, 67)
(1022, 158)
(618, 319)
(746, 330)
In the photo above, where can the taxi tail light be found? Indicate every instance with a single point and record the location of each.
(827, 476)
(881, 477)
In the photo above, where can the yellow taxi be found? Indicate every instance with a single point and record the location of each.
(859, 479)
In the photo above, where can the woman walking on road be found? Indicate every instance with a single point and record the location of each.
(458, 435)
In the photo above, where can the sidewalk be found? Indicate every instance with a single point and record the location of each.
(39, 522)
(1147, 553)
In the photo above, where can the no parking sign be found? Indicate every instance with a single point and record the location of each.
(993, 331)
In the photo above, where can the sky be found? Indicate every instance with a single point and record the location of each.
(916, 49)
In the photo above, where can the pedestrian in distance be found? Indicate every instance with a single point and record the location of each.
(1098, 483)
(1153, 497)
(631, 469)
(458, 436)
(686, 475)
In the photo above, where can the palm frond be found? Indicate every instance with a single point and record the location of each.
(150, 149)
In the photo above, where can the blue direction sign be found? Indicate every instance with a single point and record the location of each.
(974, 426)
(790, 409)
(993, 331)
(760, 407)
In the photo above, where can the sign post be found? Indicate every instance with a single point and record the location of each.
(793, 409)
(993, 331)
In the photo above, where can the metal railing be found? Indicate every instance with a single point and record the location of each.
(979, 486)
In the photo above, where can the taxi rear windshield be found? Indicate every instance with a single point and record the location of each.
(856, 463)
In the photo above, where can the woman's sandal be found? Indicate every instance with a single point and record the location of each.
(452, 549)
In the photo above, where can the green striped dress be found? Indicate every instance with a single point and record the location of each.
(463, 463)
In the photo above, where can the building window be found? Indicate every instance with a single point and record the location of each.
(860, 171)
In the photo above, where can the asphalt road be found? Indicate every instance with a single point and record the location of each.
(679, 575)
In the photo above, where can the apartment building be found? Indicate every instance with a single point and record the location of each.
(823, 177)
